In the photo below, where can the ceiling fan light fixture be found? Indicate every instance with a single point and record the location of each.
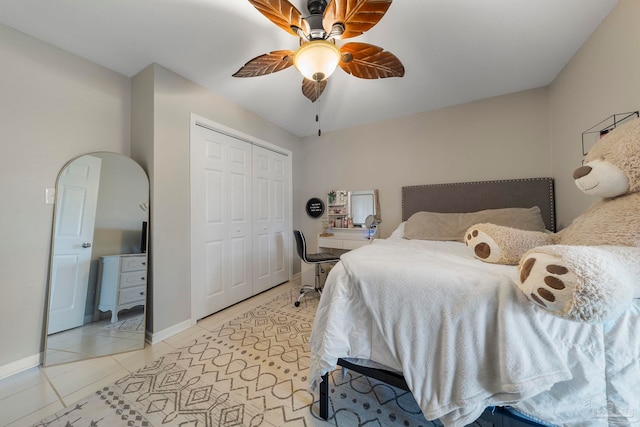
(317, 59)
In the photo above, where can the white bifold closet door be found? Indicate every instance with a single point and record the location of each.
(239, 217)
(270, 213)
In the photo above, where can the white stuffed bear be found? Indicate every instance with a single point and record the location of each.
(589, 271)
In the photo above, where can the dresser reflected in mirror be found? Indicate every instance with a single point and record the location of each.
(98, 267)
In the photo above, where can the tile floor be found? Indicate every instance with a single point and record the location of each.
(34, 394)
(97, 339)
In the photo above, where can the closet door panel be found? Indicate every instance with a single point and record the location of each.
(214, 230)
(221, 220)
(262, 256)
(240, 224)
(270, 218)
(280, 210)
(214, 181)
(214, 269)
(279, 213)
(261, 208)
(239, 267)
(279, 204)
(262, 199)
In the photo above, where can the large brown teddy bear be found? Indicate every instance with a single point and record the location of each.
(589, 271)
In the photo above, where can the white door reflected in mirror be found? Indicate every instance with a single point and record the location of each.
(75, 218)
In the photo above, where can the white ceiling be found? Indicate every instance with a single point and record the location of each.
(453, 51)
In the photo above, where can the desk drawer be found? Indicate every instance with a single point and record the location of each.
(354, 244)
(326, 242)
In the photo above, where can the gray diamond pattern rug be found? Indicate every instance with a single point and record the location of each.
(251, 371)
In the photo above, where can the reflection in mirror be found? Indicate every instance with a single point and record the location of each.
(362, 204)
(98, 267)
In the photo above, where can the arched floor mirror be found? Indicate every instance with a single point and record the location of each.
(98, 267)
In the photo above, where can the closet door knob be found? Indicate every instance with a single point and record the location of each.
(86, 245)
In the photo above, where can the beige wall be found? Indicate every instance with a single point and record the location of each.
(175, 98)
(603, 78)
(54, 106)
(496, 138)
(142, 152)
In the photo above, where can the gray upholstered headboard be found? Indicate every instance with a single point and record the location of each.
(476, 196)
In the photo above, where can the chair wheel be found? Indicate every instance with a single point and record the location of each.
(297, 303)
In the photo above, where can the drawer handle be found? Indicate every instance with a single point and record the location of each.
(144, 263)
(142, 278)
(141, 293)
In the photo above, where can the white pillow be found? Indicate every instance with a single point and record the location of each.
(398, 233)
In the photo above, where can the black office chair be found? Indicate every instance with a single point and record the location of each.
(317, 259)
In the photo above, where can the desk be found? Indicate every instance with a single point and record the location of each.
(346, 239)
(343, 240)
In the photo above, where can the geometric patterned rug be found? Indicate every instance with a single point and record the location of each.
(251, 371)
(134, 324)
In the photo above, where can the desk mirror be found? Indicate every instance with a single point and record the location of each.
(98, 266)
(363, 203)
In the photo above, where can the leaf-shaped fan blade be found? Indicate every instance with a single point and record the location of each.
(266, 64)
(312, 89)
(369, 62)
(282, 13)
(357, 16)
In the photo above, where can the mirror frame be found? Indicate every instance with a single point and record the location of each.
(375, 212)
(118, 232)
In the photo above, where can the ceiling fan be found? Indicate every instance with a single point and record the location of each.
(318, 54)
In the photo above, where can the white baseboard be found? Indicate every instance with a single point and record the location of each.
(20, 365)
(154, 338)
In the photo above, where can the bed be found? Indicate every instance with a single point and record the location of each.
(427, 317)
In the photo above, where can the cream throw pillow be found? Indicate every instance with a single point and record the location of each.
(452, 226)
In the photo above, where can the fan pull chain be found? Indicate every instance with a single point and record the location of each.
(318, 114)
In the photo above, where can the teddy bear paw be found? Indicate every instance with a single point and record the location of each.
(547, 282)
(483, 245)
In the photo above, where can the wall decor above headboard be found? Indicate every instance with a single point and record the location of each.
(603, 127)
(480, 195)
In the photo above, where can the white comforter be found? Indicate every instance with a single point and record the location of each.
(465, 338)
